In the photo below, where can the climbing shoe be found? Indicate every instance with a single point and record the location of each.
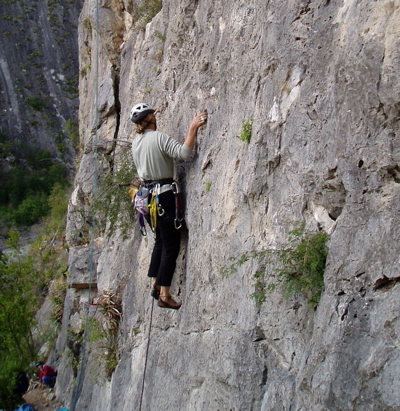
(166, 301)
(155, 292)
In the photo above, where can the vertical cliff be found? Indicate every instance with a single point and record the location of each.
(319, 82)
(38, 73)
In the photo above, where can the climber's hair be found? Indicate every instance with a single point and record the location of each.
(140, 127)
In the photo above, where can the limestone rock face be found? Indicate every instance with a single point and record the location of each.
(319, 82)
(39, 73)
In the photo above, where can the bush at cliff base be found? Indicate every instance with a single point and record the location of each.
(18, 302)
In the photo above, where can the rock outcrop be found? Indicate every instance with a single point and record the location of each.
(319, 82)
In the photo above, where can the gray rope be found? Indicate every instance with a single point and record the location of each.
(147, 353)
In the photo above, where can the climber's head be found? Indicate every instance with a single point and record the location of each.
(143, 115)
(140, 111)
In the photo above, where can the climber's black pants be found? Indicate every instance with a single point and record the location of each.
(166, 247)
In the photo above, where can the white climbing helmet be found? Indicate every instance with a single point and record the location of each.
(140, 111)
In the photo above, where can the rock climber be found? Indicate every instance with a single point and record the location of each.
(153, 154)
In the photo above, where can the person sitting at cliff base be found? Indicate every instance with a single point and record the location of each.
(46, 374)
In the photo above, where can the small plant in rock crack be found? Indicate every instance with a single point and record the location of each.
(299, 266)
(84, 70)
(74, 346)
(103, 330)
(207, 186)
(57, 292)
(87, 24)
(246, 130)
(160, 36)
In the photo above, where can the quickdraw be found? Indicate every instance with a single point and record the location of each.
(140, 202)
(179, 207)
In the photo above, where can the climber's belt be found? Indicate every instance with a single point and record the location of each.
(164, 185)
(155, 182)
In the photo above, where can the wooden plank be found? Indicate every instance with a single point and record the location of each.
(82, 286)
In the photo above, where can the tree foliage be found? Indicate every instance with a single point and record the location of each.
(24, 277)
(27, 182)
(18, 303)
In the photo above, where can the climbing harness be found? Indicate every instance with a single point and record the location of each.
(147, 204)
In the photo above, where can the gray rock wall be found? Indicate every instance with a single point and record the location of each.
(320, 79)
(39, 65)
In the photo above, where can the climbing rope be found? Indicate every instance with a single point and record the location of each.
(147, 353)
(91, 267)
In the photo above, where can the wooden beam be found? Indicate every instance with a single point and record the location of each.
(82, 286)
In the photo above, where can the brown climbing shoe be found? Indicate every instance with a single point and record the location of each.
(155, 292)
(166, 301)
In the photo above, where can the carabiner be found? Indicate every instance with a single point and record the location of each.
(177, 225)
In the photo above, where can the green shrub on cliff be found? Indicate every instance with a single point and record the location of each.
(299, 266)
(112, 204)
(302, 264)
(246, 130)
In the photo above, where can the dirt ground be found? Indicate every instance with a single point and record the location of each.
(41, 399)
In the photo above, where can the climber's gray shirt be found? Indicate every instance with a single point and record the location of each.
(153, 153)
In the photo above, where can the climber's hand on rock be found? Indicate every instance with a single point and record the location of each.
(199, 120)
